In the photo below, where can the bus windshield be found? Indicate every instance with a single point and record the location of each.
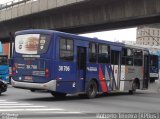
(154, 61)
(3, 60)
(32, 43)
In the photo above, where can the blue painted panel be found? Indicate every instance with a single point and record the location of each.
(81, 43)
(4, 72)
(66, 86)
(116, 48)
(65, 74)
(35, 69)
(4, 69)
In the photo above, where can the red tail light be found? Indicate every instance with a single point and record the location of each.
(14, 69)
(13, 73)
(46, 73)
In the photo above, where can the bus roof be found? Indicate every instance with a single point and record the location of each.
(137, 47)
(50, 32)
(69, 35)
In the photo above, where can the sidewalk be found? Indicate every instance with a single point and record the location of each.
(154, 87)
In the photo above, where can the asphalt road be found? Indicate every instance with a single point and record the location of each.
(19, 103)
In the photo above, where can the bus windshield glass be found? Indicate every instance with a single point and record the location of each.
(32, 43)
(3, 60)
(154, 61)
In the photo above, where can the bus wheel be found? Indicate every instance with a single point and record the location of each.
(91, 90)
(134, 87)
(152, 80)
(82, 95)
(58, 95)
(32, 90)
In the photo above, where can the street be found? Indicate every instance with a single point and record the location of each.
(19, 103)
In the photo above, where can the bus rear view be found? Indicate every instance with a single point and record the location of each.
(31, 61)
(63, 63)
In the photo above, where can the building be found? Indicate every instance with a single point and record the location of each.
(148, 35)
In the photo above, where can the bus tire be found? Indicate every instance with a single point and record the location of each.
(58, 95)
(32, 90)
(82, 95)
(91, 90)
(152, 80)
(134, 87)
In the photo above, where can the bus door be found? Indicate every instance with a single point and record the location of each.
(146, 72)
(81, 67)
(116, 69)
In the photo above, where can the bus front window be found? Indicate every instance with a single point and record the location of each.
(3, 60)
(154, 61)
(32, 43)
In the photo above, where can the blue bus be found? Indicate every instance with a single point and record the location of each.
(63, 63)
(4, 68)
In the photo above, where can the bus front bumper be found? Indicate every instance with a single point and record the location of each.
(51, 85)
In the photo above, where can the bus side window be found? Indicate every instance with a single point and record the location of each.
(93, 52)
(3, 60)
(137, 62)
(138, 54)
(66, 49)
(103, 54)
(127, 56)
(138, 58)
(129, 61)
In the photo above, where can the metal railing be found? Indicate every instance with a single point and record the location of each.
(14, 3)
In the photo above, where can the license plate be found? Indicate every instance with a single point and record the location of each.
(28, 78)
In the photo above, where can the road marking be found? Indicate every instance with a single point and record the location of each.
(61, 112)
(45, 109)
(20, 106)
(2, 100)
(26, 107)
(15, 104)
(8, 102)
(10, 110)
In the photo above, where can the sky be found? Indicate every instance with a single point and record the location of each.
(114, 35)
(120, 35)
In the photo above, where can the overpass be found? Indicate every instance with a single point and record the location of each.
(76, 16)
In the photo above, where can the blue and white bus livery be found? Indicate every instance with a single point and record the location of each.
(64, 63)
